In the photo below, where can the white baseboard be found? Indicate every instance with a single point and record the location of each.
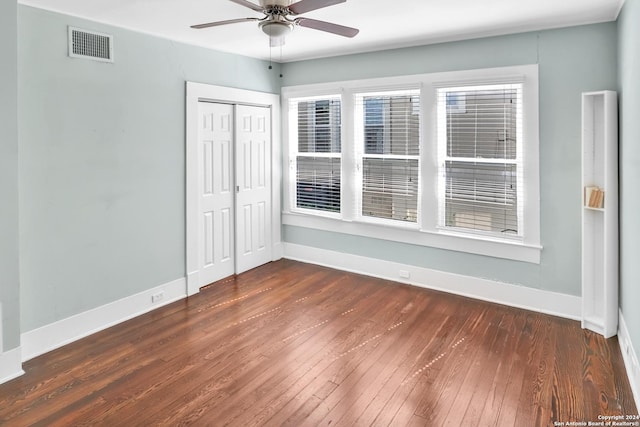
(630, 358)
(10, 365)
(562, 305)
(55, 335)
(277, 251)
(193, 283)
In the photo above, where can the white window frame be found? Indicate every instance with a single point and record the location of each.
(358, 142)
(292, 136)
(443, 157)
(426, 232)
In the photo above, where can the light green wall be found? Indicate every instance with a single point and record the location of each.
(571, 61)
(102, 162)
(9, 269)
(629, 92)
(102, 156)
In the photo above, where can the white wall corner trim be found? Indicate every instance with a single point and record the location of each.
(630, 358)
(65, 331)
(10, 365)
(556, 304)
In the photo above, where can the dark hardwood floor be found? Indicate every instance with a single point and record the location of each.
(296, 344)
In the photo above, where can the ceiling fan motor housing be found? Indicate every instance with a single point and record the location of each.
(282, 3)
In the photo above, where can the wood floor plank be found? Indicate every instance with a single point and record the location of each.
(296, 344)
(410, 396)
(253, 381)
(434, 325)
(318, 366)
(196, 391)
(453, 369)
(498, 402)
(333, 369)
(485, 391)
(539, 370)
(355, 380)
(478, 366)
(393, 366)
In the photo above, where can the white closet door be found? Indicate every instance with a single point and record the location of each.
(253, 180)
(216, 192)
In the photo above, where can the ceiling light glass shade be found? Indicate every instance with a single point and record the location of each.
(276, 29)
(276, 41)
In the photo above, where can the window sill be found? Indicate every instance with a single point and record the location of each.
(478, 245)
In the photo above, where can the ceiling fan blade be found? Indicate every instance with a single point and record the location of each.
(248, 4)
(218, 23)
(304, 6)
(340, 30)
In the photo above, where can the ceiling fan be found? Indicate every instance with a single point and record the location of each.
(277, 22)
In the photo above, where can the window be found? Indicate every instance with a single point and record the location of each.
(480, 145)
(446, 160)
(317, 127)
(388, 135)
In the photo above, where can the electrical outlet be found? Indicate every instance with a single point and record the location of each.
(157, 297)
(404, 274)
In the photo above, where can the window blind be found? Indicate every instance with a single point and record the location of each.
(318, 183)
(480, 137)
(388, 134)
(390, 189)
(317, 124)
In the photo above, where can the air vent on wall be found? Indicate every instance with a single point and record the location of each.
(90, 45)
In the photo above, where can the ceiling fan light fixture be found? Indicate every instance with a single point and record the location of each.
(276, 29)
(277, 23)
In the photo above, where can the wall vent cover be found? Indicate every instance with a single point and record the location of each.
(90, 45)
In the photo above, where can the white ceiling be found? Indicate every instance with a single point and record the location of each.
(383, 24)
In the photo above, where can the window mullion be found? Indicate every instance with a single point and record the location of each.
(350, 172)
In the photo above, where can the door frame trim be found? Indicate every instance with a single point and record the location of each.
(200, 92)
